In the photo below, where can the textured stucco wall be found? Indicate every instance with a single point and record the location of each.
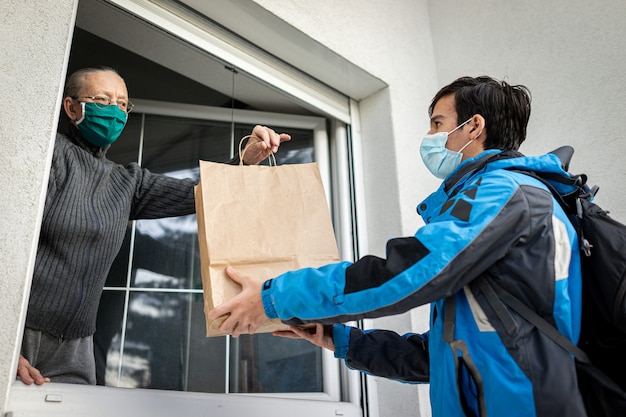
(33, 43)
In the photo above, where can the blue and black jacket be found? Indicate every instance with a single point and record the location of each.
(485, 218)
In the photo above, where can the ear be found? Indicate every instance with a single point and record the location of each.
(477, 125)
(73, 110)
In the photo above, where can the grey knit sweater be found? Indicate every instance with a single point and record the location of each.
(89, 203)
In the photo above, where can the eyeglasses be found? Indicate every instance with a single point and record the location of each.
(103, 101)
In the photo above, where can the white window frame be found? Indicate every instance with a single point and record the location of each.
(209, 38)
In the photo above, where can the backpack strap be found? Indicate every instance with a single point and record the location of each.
(495, 295)
(459, 346)
(545, 179)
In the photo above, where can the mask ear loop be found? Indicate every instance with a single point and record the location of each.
(82, 116)
(459, 126)
(472, 140)
(466, 145)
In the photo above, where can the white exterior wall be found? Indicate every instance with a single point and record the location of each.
(572, 57)
(569, 53)
(34, 40)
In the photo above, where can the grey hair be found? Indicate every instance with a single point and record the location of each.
(75, 82)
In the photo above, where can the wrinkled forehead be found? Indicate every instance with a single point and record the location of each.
(105, 83)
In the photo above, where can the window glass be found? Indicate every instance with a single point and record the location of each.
(164, 346)
(261, 365)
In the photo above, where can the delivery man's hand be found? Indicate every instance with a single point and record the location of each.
(320, 335)
(244, 311)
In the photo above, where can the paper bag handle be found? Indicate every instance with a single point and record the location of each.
(271, 155)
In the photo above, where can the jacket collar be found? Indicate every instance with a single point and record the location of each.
(470, 166)
(455, 181)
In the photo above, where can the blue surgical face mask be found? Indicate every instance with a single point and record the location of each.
(439, 160)
(101, 126)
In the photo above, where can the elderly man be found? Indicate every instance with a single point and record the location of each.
(88, 205)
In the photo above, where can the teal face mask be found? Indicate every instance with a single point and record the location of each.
(101, 126)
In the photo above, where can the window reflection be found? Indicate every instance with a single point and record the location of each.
(165, 345)
(261, 365)
(166, 254)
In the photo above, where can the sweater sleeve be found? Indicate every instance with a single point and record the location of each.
(384, 353)
(160, 196)
(157, 196)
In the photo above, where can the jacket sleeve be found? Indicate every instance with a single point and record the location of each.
(384, 353)
(467, 234)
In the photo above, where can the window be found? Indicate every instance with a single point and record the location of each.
(151, 321)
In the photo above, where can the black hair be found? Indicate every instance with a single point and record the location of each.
(505, 108)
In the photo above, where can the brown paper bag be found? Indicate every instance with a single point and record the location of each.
(263, 221)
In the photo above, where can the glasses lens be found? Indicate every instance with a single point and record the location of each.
(123, 105)
(101, 101)
(128, 106)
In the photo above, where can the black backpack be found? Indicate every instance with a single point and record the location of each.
(601, 351)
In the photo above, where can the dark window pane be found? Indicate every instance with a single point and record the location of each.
(266, 364)
(166, 254)
(165, 345)
(108, 336)
(118, 274)
(174, 145)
